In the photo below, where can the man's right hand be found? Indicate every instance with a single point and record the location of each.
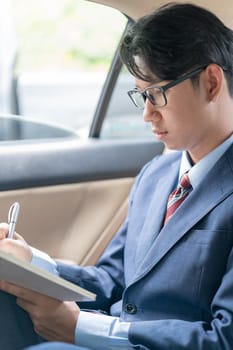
(16, 246)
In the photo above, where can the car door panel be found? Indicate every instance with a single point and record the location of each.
(73, 193)
(67, 220)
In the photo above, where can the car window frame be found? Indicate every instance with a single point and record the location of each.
(107, 89)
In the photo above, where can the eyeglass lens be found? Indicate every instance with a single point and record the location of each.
(154, 95)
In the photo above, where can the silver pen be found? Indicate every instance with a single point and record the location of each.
(12, 218)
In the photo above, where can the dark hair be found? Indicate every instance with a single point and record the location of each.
(175, 39)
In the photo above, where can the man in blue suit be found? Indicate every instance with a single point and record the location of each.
(164, 285)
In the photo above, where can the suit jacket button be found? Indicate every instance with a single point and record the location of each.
(130, 308)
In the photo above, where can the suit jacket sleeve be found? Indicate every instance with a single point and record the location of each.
(107, 278)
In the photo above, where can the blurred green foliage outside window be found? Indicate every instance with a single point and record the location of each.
(65, 34)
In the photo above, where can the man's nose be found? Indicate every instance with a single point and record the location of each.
(151, 112)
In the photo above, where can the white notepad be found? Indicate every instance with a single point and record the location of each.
(22, 273)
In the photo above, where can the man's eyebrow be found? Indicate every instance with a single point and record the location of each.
(150, 83)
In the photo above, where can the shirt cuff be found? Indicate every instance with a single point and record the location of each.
(43, 261)
(98, 331)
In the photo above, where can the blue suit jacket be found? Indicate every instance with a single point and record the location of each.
(173, 283)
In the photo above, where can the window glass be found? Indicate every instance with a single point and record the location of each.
(123, 119)
(63, 50)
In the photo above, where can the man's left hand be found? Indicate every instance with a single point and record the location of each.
(53, 320)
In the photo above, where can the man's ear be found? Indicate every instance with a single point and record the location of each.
(213, 78)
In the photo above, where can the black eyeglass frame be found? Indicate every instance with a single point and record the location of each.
(163, 88)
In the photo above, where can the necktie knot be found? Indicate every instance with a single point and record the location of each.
(185, 182)
(177, 196)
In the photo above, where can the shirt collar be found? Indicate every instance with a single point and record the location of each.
(198, 171)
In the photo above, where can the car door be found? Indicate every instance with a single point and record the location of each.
(73, 190)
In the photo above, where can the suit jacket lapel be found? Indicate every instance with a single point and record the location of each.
(199, 202)
(155, 214)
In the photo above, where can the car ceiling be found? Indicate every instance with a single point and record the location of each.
(138, 8)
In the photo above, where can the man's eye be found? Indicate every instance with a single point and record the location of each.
(151, 97)
(144, 96)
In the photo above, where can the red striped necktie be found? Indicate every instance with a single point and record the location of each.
(178, 196)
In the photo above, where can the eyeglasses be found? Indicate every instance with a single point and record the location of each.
(156, 94)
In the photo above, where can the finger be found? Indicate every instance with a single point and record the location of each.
(4, 229)
(28, 306)
(17, 236)
(19, 291)
(27, 294)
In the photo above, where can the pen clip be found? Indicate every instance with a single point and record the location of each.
(13, 213)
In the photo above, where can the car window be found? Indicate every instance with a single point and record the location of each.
(62, 54)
